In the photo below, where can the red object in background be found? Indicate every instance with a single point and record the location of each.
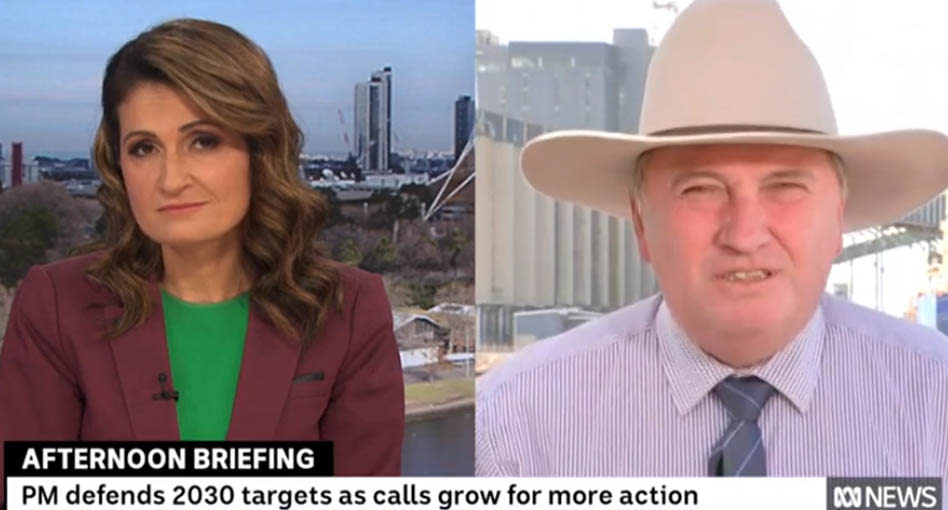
(16, 173)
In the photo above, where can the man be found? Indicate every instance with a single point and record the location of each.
(739, 190)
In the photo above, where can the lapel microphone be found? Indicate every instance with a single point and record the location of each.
(164, 394)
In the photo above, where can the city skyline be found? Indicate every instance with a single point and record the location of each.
(53, 63)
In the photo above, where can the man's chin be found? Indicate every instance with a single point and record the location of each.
(749, 315)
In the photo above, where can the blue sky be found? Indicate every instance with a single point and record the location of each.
(53, 54)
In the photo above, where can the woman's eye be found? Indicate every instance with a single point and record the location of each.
(141, 149)
(205, 142)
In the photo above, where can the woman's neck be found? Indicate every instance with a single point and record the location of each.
(204, 273)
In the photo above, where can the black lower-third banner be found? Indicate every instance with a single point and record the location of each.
(186, 458)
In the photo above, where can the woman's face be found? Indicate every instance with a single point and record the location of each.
(187, 178)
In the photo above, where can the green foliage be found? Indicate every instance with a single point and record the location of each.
(393, 207)
(381, 258)
(452, 245)
(424, 262)
(349, 253)
(421, 294)
(26, 234)
(334, 216)
(39, 223)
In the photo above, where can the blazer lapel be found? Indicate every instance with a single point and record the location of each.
(266, 372)
(141, 354)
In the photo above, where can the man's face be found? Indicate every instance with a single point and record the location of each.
(741, 237)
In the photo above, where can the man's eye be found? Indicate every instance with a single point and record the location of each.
(697, 189)
(788, 186)
(141, 149)
(205, 142)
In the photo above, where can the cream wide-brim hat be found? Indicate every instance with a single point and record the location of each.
(735, 72)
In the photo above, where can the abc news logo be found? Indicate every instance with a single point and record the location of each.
(883, 493)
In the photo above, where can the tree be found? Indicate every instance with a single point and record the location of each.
(416, 249)
(26, 235)
(455, 243)
(421, 292)
(457, 247)
(420, 191)
(394, 208)
(334, 216)
(381, 258)
(39, 223)
(349, 253)
(368, 249)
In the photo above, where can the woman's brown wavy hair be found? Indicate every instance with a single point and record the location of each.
(233, 82)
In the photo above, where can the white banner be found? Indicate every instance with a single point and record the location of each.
(286, 493)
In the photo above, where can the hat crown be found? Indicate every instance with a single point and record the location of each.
(735, 63)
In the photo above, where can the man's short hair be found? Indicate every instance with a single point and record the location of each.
(638, 176)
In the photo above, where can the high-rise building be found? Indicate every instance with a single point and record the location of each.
(533, 252)
(463, 123)
(373, 121)
(16, 171)
(360, 125)
(385, 77)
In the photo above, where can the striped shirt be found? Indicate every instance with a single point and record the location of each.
(859, 393)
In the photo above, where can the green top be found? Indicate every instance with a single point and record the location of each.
(205, 347)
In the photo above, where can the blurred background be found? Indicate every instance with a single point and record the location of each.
(544, 266)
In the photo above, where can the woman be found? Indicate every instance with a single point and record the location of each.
(209, 311)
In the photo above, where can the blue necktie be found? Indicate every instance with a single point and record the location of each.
(740, 450)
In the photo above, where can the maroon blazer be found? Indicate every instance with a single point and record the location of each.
(60, 380)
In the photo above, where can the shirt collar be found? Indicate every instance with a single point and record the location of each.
(692, 373)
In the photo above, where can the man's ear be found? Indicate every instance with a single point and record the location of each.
(841, 218)
(640, 241)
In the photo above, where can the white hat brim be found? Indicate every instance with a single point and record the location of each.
(888, 174)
